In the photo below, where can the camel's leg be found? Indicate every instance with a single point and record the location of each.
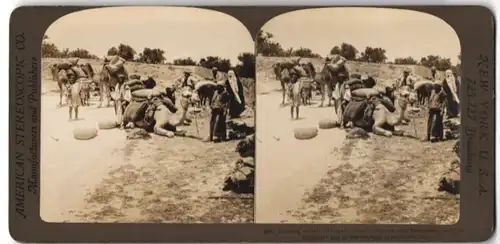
(60, 93)
(378, 130)
(322, 88)
(107, 93)
(284, 92)
(101, 96)
(329, 93)
(162, 132)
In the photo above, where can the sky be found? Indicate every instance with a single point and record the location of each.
(181, 32)
(402, 33)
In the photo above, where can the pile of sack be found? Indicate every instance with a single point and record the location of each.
(116, 66)
(241, 179)
(450, 180)
(360, 108)
(239, 129)
(452, 128)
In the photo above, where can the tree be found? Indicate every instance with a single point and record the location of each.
(246, 68)
(184, 62)
(345, 50)
(81, 53)
(124, 51)
(305, 53)
(152, 56)
(288, 52)
(435, 60)
(373, 55)
(49, 50)
(268, 47)
(112, 51)
(221, 64)
(406, 60)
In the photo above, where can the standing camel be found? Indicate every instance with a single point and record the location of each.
(327, 82)
(105, 82)
(285, 77)
(307, 89)
(62, 82)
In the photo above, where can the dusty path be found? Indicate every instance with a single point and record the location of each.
(110, 179)
(289, 167)
(69, 167)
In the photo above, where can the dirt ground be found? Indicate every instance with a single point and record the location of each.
(110, 179)
(331, 179)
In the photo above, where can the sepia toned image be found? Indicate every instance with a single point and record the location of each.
(358, 118)
(147, 115)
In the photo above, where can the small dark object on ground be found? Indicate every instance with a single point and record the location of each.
(138, 133)
(357, 132)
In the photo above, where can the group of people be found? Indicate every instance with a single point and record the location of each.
(443, 100)
(228, 100)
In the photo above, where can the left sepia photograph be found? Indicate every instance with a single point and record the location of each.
(147, 116)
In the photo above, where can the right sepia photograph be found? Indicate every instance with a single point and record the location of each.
(358, 118)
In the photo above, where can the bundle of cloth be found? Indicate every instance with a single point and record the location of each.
(241, 179)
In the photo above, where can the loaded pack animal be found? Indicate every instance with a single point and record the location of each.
(329, 81)
(205, 91)
(156, 114)
(424, 94)
(113, 81)
(282, 72)
(307, 89)
(60, 75)
(87, 87)
(373, 113)
(62, 82)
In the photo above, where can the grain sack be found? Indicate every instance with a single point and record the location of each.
(203, 83)
(106, 125)
(328, 124)
(365, 92)
(135, 76)
(421, 83)
(134, 109)
(136, 88)
(169, 104)
(134, 82)
(64, 65)
(115, 64)
(79, 72)
(84, 133)
(301, 72)
(73, 61)
(62, 76)
(144, 93)
(355, 109)
(351, 82)
(305, 133)
(388, 104)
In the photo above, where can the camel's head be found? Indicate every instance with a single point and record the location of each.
(188, 98)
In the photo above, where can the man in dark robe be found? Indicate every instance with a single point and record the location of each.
(437, 106)
(218, 106)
